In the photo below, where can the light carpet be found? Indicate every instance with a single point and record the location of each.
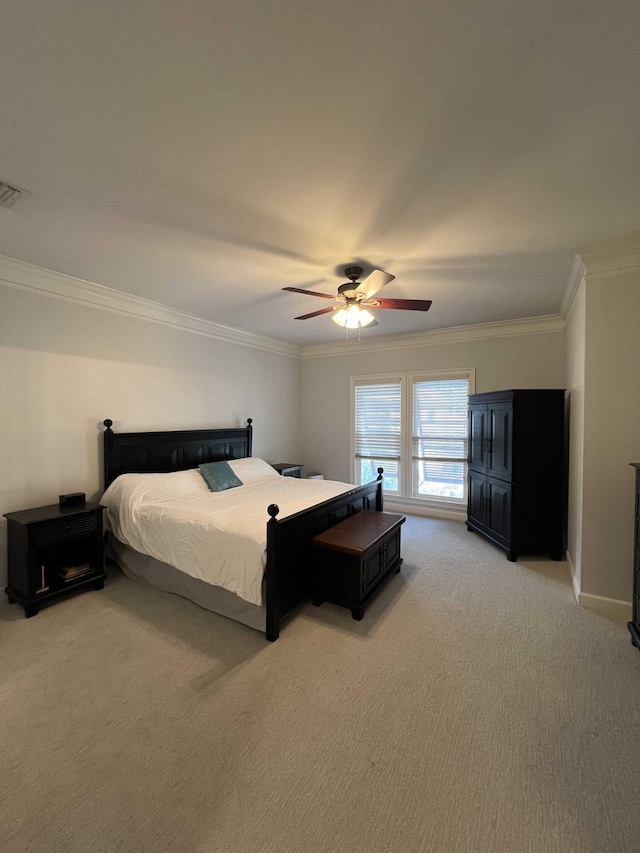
(475, 709)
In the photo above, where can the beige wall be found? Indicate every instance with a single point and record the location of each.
(575, 347)
(611, 430)
(521, 361)
(65, 367)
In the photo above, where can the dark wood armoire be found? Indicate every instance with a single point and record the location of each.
(516, 496)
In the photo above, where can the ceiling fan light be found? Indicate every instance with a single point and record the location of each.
(353, 317)
(366, 317)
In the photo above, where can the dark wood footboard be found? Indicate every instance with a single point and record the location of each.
(289, 550)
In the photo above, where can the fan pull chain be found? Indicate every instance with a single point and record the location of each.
(347, 330)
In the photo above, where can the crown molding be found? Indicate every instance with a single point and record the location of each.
(619, 254)
(33, 278)
(452, 335)
(576, 274)
(24, 276)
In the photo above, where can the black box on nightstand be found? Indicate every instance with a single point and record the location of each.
(74, 499)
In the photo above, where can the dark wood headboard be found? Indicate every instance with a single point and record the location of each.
(160, 452)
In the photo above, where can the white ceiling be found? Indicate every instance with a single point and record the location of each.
(206, 154)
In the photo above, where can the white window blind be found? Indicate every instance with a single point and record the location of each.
(440, 437)
(378, 432)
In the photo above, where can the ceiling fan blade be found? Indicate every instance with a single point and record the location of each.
(309, 292)
(374, 282)
(315, 313)
(403, 304)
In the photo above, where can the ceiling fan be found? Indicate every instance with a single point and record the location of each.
(354, 298)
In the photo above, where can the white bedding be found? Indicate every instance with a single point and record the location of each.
(218, 537)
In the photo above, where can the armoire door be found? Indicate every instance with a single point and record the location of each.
(499, 503)
(477, 499)
(501, 426)
(478, 437)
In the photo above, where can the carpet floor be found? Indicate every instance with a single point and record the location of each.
(475, 709)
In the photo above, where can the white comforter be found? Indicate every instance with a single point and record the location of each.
(218, 537)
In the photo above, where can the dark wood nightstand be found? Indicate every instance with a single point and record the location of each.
(288, 469)
(53, 550)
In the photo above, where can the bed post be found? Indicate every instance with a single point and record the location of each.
(249, 436)
(271, 575)
(107, 448)
(379, 492)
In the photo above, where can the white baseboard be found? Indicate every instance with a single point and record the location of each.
(612, 608)
(412, 508)
(574, 577)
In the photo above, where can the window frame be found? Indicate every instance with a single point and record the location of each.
(414, 377)
(405, 468)
(377, 379)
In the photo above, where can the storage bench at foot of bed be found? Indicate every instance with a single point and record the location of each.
(354, 559)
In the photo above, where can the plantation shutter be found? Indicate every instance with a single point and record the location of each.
(378, 431)
(378, 421)
(440, 425)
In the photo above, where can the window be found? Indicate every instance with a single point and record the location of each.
(378, 431)
(439, 451)
(415, 427)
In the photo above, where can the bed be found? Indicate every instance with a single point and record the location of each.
(285, 570)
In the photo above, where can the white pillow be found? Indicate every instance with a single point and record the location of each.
(252, 469)
(149, 488)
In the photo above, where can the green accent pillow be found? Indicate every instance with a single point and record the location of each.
(219, 476)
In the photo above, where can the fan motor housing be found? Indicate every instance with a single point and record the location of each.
(353, 272)
(347, 288)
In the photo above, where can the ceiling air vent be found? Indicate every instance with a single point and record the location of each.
(8, 195)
